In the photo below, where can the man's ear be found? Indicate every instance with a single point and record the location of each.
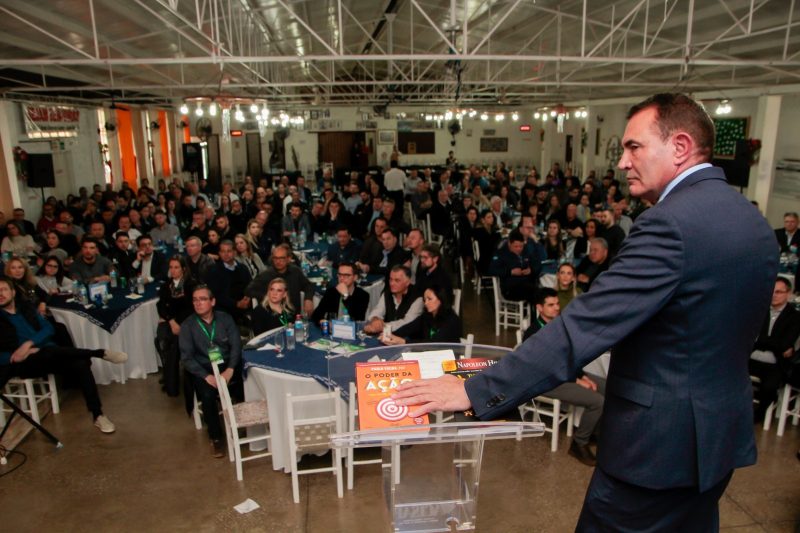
(683, 147)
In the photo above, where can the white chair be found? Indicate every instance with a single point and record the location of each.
(241, 416)
(25, 390)
(521, 331)
(476, 253)
(507, 313)
(197, 414)
(550, 407)
(457, 301)
(788, 405)
(432, 237)
(313, 434)
(352, 413)
(468, 341)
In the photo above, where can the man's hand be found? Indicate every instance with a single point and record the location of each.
(582, 278)
(445, 393)
(526, 271)
(363, 267)
(227, 374)
(175, 327)
(244, 303)
(211, 380)
(391, 340)
(374, 326)
(23, 351)
(587, 383)
(308, 307)
(341, 288)
(516, 271)
(788, 353)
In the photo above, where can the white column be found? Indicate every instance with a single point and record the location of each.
(766, 129)
(9, 189)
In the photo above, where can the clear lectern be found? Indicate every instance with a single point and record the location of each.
(437, 490)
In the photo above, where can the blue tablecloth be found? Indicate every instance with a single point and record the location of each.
(308, 362)
(111, 316)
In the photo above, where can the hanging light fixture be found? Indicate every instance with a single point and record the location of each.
(184, 109)
(212, 109)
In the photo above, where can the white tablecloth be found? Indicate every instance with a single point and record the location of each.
(273, 386)
(134, 336)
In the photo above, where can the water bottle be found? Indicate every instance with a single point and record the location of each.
(290, 340)
(76, 289)
(293, 239)
(302, 238)
(299, 331)
(84, 295)
(180, 245)
(114, 279)
(140, 285)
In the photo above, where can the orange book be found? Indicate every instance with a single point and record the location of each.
(375, 384)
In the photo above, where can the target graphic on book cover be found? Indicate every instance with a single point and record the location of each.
(387, 409)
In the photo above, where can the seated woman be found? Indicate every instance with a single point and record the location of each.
(25, 284)
(51, 277)
(246, 256)
(16, 241)
(53, 248)
(275, 311)
(488, 238)
(438, 323)
(174, 306)
(590, 231)
(566, 285)
(553, 244)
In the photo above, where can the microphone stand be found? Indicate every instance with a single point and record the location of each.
(15, 410)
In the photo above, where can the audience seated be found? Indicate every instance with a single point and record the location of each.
(274, 310)
(516, 269)
(437, 323)
(594, 264)
(345, 298)
(296, 281)
(399, 305)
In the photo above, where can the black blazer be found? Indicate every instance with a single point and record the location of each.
(356, 304)
(425, 328)
(784, 334)
(780, 236)
(158, 268)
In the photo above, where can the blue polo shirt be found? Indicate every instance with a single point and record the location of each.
(26, 332)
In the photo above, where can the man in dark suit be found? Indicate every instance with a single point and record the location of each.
(680, 305)
(788, 235)
(773, 353)
(150, 264)
(390, 255)
(344, 298)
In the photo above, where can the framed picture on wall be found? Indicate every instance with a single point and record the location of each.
(386, 137)
(314, 114)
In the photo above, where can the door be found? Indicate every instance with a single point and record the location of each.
(214, 167)
(336, 148)
(568, 151)
(254, 167)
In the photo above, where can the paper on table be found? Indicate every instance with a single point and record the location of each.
(246, 506)
(267, 346)
(133, 296)
(430, 362)
(347, 348)
(322, 344)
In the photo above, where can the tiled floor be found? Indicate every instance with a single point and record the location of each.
(156, 474)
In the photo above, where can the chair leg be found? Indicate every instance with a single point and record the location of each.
(337, 458)
(237, 452)
(51, 382)
(783, 410)
(198, 421)
(30, 391)
(350, 452)
(295, 483)
(555, 425)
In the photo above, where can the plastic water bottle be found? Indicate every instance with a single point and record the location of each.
(140, 285)
(76, 289)
(291, 343)
(114, 279)
(84, 295)
(293, 239)
(180, 245)
(299, 330)
(302, 241)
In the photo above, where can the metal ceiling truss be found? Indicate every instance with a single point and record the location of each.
(400, 51)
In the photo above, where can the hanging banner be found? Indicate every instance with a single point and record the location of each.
(60, 119)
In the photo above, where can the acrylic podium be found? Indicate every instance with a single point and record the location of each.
(436, 490)
(442, 496)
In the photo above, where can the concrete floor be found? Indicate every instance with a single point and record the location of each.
(156, 474)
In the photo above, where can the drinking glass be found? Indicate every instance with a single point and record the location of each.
(279, 343)
(362, 335)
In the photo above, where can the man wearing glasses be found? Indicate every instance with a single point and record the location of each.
(296, 281)
(205, 335)
(343, 299)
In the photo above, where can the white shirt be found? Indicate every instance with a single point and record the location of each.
(394, 179)
(682, 176)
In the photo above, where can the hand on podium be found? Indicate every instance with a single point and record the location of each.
(445, 393)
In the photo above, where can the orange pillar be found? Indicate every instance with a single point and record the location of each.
(164, 135)
(126, 150)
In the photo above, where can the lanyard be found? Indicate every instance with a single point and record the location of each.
(213, 329)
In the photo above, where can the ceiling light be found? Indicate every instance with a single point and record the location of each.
(253, 108)
(198, 111)
(499, 118)
(514, 117)
(484, 116)
(184, 109)
(212, 109)
(536, 115)
(553, 113)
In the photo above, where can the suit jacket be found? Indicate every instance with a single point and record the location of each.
(780, 235)
(681, 306)
(158, 267)
(356, 304)
(783, 336)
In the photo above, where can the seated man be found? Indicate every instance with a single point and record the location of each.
(431, 273)
(584, 392)
(788, 235)
(200, 265)
(595, 263)
(204, 334)
(516, 269)
(391, 254)
(398, 306)
(149, 264)
(343, 299)
(122, 256)
(346, 250)
(773, 352)
(27, 350)
(295, 223)
(90, 266)
(296, 281)
(228, 280)
(371, 249)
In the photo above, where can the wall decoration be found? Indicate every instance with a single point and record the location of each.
(729, 130)
(314, 114)
(494, 144)
(386, 137)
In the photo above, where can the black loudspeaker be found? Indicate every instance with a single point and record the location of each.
(737, 170)
(193, 158)
(40, 171)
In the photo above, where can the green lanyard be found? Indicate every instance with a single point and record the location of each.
(213, 329)
(284, 319)
(432, 332)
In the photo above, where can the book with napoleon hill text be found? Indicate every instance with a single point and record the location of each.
(465, 369)
(375, 384)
